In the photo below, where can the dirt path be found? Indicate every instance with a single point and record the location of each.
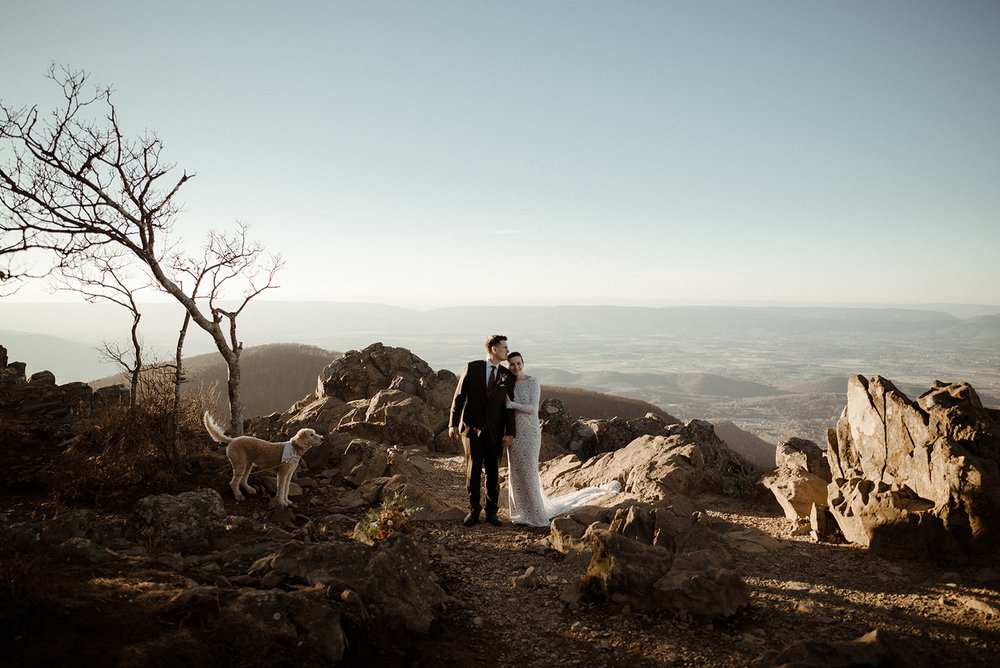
(800, 590)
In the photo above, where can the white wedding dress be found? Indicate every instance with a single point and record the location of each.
(527, 502)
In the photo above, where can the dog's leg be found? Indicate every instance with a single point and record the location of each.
(234, 484)
(288, 481)
(281, 496)
(245, 481)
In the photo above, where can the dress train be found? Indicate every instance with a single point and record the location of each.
(527, 503)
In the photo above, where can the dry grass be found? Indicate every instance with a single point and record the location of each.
(123, 453)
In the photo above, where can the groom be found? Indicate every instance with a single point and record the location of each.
(478, 416)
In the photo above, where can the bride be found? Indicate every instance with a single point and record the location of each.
(527, 502)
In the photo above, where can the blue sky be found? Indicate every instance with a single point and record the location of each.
(441, 153)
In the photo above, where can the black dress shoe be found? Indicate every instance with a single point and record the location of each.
(494, 520)
(470, 519)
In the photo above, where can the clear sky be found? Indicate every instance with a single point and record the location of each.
(441, 153)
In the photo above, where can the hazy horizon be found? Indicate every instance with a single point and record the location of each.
(958, 309)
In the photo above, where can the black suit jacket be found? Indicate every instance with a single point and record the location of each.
(478, 410)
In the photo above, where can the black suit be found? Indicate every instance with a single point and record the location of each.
(479, 413)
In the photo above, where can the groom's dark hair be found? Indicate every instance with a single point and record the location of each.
(494, 340)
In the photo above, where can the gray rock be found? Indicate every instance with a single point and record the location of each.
(185, 523)
(555, 421)
(394, 580)
(80, 550)
(382, 394)
(589, 438)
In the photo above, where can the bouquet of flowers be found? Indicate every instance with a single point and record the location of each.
(388, 519)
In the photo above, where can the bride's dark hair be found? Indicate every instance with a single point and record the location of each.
(515, 354)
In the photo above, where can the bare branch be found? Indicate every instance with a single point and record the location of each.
(91, 200)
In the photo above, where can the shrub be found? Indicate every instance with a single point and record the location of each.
(123, 453)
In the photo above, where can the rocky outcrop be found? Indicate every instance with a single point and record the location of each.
(916, 478)
(40, 405)
(555, 421)
(652, 468)
(654, 557)
(588, 438)
(799, 482)
(380, 393)
(392, 396)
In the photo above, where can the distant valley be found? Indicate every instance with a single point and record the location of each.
(775, 371)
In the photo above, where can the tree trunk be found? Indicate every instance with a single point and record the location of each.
(214, 328)
(175, 440)
(137, 363)
(235, 401)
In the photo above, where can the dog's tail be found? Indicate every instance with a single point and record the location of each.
(214, 430)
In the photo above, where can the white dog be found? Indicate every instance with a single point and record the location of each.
(245, 452)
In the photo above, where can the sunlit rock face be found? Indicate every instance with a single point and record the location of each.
(916, 478)
(380, 393)
(692, 460)
(799, 481)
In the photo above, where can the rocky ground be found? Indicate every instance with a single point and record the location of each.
(800, 591)
(514, 603)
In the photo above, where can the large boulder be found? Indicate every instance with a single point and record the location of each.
(691, 461)
(187, 523)
(380, 393)
(799, 481)
(589, 438)
(645, 577)
(394, 580)
(654, 557)
(363, 374)
(555, 421)
(916, 478)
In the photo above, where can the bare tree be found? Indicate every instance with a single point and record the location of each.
(105, 276)
(74, 184)
(228, 260)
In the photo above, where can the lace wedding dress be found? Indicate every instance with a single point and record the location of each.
(527, 502)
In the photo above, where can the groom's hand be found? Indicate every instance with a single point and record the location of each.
(507, 440)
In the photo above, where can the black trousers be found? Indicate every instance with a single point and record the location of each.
(482, 453)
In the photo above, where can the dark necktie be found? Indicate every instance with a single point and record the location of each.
(493, 377)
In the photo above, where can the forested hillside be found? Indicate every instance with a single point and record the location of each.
(582, 403)
(274, 376)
